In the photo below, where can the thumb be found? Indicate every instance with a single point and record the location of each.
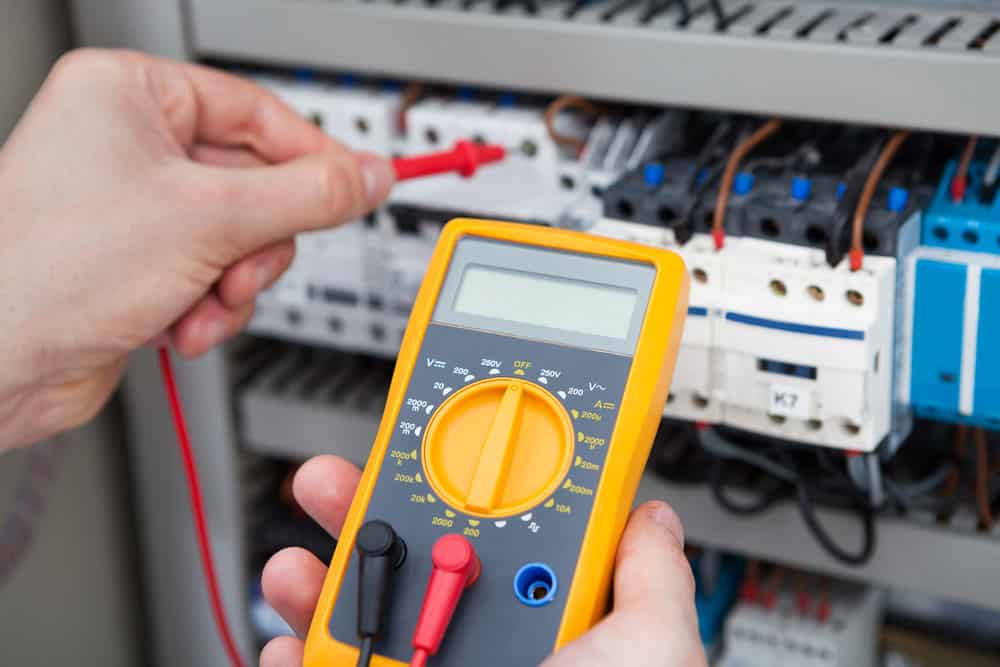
(654, 620)
(259, 206)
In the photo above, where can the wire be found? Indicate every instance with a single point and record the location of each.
(960, 180)
(715, 444)
(861, 212)
(365, 654)
(411, 96)
(758, 505)
(740, 152)
(808, 512)
(419, 658)
(986, 518)
(561, 104)
(990, 177)
(198, 508)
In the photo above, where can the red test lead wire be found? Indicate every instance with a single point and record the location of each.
(456, 567)
(464, 159)
(198, 509)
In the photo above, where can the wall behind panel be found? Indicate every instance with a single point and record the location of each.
(74, 599)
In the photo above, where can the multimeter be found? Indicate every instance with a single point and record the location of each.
(527, 392)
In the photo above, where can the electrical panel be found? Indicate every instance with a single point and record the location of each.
(834, 375)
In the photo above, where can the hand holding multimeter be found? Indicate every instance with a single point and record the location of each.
(525, 399)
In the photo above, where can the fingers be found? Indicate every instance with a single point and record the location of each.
(292, 581)
(652, 574)
(654, 619)
(225, 157)
(324, 487)
(283, 652)
(242, 282)
(208, 323)
(239, 113)
(255, 207)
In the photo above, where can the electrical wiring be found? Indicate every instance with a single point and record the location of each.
(773, 491)
(411, 95)
(729, 175)
(198, 508)
(992, 168)
(854, 182)
(365, 652)
(715, 444)
(563, 103)
(857, 251)
(983, 500)
(960, 180)
(850, 498)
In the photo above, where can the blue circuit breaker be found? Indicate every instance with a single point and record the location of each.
(972, 224)
(954, 323)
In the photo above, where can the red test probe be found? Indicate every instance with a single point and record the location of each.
(456, 567)
(464, 159)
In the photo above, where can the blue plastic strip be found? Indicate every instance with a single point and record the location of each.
(987, 396)
(698, 311)
(795, 327)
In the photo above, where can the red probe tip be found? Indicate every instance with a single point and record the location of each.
(464, 159)
(456, 567)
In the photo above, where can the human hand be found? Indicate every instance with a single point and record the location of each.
(653, 623)
(146, 200)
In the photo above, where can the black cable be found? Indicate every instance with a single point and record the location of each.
(867, 516)
(759, 505)
(365, 656)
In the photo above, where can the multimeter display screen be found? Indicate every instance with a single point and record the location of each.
(546, 301)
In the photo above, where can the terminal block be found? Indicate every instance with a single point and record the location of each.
(801, 210)
(839, 628)
(971, 224)
(363, 116)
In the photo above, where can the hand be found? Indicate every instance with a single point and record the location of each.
(146, 200)
(653, 622)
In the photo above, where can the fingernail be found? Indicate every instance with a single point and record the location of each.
(262, 276)
(378, 176)
(215, 333)
(663, 516)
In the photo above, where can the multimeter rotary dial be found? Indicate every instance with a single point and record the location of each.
(498, 447)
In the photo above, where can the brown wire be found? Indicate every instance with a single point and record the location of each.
(411, 95)
(561, 104)
(986, 518)
(864, 203)
(740, 152)
(952, 483)
(961, 173)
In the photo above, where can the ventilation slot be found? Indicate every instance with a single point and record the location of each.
(857, 23)
(614, 10)
(984, 37)
(935, 37)
(775, 19)
(812, 24)
(734, 17)
(890, 35)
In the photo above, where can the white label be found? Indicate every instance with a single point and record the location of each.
(790, 401)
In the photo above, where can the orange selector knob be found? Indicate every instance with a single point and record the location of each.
(498, 447)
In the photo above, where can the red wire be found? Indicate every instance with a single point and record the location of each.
(198, 508)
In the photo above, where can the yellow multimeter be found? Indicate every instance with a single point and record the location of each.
(527, 392)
